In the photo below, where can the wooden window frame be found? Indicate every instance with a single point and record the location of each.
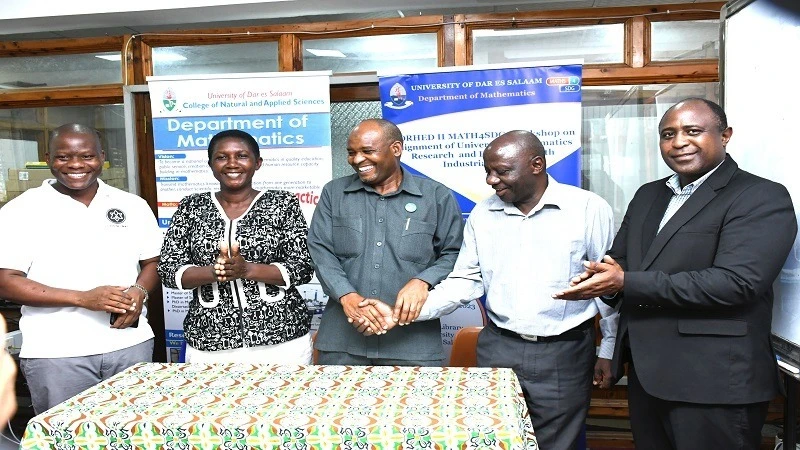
(454, 41)
(62, 95)
(637, 67)
(290, 38)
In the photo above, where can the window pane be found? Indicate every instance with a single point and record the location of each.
(24, 135)
(60, 70)
(397, 52)
(620, 136)
(211, 59)
(595, 44)
(695, 39)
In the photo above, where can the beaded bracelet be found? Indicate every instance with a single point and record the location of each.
(141, 288)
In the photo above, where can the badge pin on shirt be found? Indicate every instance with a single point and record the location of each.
(410, 207)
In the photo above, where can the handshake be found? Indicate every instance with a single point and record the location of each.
(371, 316)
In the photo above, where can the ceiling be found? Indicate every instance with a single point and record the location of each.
(25, 19)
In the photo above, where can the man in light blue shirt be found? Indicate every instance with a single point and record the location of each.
(519, 246)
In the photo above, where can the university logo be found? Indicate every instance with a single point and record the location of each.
(169, 99)
(115, 216)
(397, 94)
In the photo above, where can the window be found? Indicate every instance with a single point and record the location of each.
(694, 39)
(214, 59)
(60, 70)
(400, 52)
(595, 44)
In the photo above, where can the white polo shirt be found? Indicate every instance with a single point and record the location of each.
(62, 243)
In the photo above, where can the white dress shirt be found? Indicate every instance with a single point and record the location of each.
(519, 260)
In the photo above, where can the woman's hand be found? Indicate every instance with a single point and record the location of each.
(230, 266)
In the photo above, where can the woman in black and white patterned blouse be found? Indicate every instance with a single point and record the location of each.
(243, 252)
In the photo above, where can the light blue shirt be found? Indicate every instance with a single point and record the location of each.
(518, 260)
(680, 195)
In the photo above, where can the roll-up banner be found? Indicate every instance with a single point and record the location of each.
(287, 113)
(448, 116)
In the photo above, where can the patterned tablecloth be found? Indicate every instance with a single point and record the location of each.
(239, 406)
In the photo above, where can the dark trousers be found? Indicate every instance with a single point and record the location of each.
(556, 378)
(666, 425)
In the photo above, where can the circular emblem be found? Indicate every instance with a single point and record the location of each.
(411, 207)
(115, 215)
(398, 94)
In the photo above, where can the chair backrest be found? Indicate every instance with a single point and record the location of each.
(314, 351)
(464, 352)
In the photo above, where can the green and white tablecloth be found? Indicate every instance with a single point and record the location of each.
(240, 406)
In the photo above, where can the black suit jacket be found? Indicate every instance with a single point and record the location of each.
(697, 301)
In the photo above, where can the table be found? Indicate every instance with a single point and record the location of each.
(239, 406)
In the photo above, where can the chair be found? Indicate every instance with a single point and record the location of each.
(464, 352)
(314, 351)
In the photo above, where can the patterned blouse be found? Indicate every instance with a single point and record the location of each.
(240, 313)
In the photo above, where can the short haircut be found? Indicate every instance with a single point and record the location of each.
(243, 136)
(719, 113)
(527, 141)
(389, 130)
(76, 128)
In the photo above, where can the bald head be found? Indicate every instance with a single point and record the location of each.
(518, 142)
(389, 131)
(515, 168)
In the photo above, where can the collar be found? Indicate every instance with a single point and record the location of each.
(551, 197)
(674, 183)
(102, 188)
(410, 184)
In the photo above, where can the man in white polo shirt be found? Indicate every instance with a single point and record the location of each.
(80, 256)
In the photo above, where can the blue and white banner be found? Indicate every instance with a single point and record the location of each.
(287, 113)
(448, 117)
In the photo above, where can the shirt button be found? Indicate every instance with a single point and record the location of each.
(383, 199)
(380, 220)
(374, 292)
(377, 266)
(379, 244)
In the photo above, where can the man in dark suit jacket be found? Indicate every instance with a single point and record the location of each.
(692, 268)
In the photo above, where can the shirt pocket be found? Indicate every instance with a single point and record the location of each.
(348, 236)
(560, 260)
(416, 242)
